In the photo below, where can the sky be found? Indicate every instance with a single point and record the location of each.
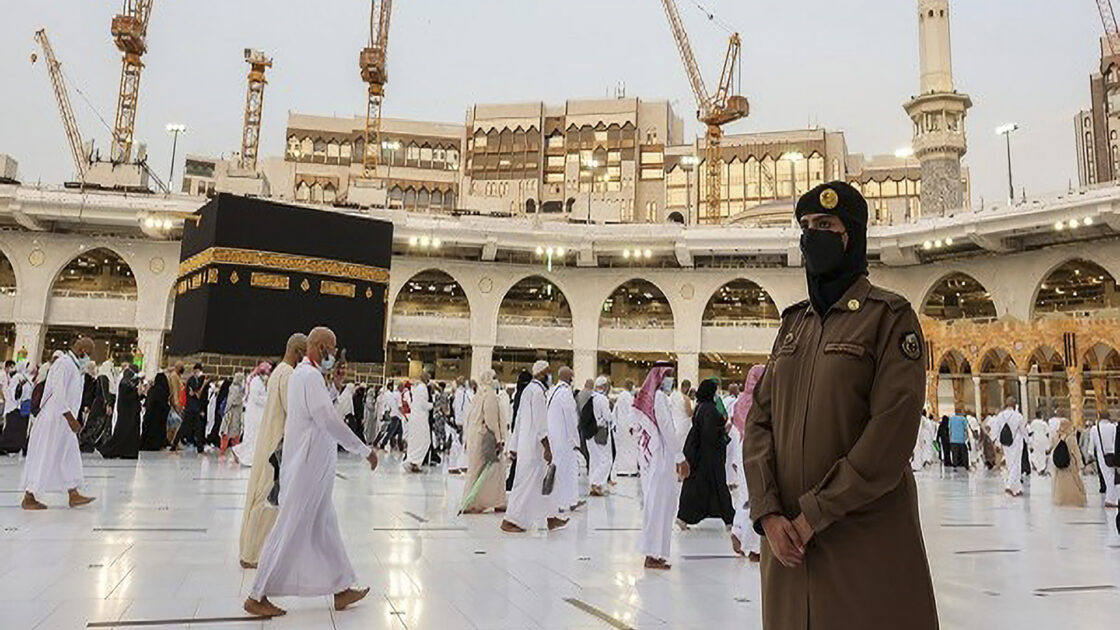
(845, 66)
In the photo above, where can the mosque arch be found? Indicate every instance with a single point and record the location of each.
(1073, 287)
(958, 296)
(740, 302)
(432, 292)
(98, 272)
(9, 283)
(636, 303)
(1100, 379)
(537, 301)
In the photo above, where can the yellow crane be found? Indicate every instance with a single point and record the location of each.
(62, 97)
(254, 107)
(714, 110)
(130, 32)
(371, 61)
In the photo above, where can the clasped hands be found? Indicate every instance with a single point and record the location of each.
(787, 538)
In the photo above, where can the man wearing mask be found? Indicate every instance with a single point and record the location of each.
(563, 435)
(530, 448)
(829, 438)
(53, 462)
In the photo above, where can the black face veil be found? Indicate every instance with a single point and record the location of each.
(831, 269)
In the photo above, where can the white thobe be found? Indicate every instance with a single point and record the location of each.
(1039, 444)
(304, 554)
(1012, 455)
(660, 452)
(626, 442)
(459, 406)
(1103, 438)
(211, 407)
(975, 451)
(563, 437)
(681, 420)
(418, 433)
(1053, 425)
(599, 455)
(918, 457)
(930, 437)
(505, 409)
(729, 404)
(741, 527)
(54, 463)
(251, 420)
(528, 507)
(11, 401)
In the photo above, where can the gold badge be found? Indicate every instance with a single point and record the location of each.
(853, 305)
(829, 199)
(369, 293)
(305, 285)
(233, 278)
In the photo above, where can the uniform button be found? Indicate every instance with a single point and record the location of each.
(853, 305)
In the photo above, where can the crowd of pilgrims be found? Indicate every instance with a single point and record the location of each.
(1007, 442)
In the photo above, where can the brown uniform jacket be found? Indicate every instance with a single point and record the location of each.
(830, 435)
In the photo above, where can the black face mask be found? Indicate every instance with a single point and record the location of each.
(823, 251)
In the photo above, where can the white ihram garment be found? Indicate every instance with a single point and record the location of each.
(625, 441)
(563, 437)
(304, 554)
(1039, 444)
(54, 463)
(418, 433)
(741, 527)
(528, 508)
(251, 420)
(1012, 455)
(599, 471)
(660, 452)
(1103, 437)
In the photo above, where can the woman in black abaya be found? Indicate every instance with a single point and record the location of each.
(153, 436)
(705, 493)
(125, 441)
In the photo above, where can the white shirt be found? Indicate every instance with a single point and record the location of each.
(602, 409)
(394, 404)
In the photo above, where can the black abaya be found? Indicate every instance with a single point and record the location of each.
(153, 436)
(99, 422)
(125, 441)
(705, 493)
(14, 438)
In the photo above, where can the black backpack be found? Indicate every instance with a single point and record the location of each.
(1006, 438)
(1061, 456)
(588, 426)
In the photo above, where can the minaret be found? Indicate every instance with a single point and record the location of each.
(938, 112)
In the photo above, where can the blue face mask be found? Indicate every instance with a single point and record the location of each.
(82, 362)
(327, 364)
(667, 384)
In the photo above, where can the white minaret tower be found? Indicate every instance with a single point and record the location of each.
(938, 112)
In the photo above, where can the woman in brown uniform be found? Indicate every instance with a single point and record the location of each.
(828, 441)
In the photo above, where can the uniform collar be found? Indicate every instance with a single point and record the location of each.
(854, 298)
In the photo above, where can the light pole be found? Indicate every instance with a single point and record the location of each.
(1006, 131)
(793, 157)
(174, 129)
(689, 163)
(591, 165)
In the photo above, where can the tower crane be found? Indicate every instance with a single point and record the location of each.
(714, 110)
(254, 107)
(130, 32)
(371, 61)
(62, 97)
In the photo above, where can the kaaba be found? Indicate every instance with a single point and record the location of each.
(252, 272)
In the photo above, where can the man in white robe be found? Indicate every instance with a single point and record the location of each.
(975, 450)
(1013, 453)
(1103, 439)
(459, 403)
(563, 436)
(599, 455)
(54, 463)
(1039, 433)
(418, 433)
(663, 466)
(529, 447)
(626, 442)
(304, 554)
(730, 399)
(679, 407)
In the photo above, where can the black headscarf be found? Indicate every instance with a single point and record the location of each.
(523, 380)
(707, 391)
(846, 203)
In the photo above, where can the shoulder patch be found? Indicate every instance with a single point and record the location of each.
(894, 301)
(793, 308)
(911, 345)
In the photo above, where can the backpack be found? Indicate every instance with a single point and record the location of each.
(1061, 456)
(37, 398)
(1110, 459)
(1006, 438)
(588, 425)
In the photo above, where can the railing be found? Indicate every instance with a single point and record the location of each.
(429, 313)
(535, 320)
(743, 323)
(632, 323)
(107, 295)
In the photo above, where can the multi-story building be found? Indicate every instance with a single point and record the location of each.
(1097, 129)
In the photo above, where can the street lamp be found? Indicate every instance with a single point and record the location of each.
(689, 164)
(904, 152)
(174, 129)
(1006, 131)
(793, 157)
(590, 164)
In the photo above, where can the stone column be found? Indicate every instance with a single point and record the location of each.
(150, 343)
(1024, 397)
(688, 367)
(481, 359)
(29, 338)
(585, 365)
(977, 401)
(1073, 374)
(933, 393)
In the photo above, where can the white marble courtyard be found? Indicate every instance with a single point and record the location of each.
(159, 546)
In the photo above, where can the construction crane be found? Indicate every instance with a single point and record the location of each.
(130, 32)
(372, 64)
(62, 97)
(714, 110)
(254, 106)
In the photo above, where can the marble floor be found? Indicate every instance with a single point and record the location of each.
(160, 546)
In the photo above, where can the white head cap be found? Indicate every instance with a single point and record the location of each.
(602, 381)
(539, 367)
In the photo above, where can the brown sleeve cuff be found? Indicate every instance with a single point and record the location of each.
(811, 508)
(761, 509)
